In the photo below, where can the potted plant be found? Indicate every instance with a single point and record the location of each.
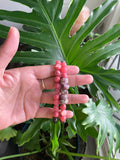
(47, 38)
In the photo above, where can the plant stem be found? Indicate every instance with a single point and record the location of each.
(20, 155)
(85, 155)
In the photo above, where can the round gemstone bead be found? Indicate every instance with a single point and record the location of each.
(55, 119)
(57, 85)
(56, 96)
(63, 69)
(63, 118)
(65, 86)
(64, 75)
(63, 97)
(58, 62)
(57, 91)
(62, 107)
(63, 64)
(56, 102)
(64, 80)
(58, 66)
(57, 79)
(63, 113)
(57, 73)
(64, 101)
(64, 91)
(56, 108)
(55, 114)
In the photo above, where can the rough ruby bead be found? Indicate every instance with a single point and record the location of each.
(64, 75)
(55, 114)
(57, 79)
(63, 118)
(56, 108)
(56, 102)
(58, 62)
(63, 69)
(57, 91)
(63, 64)
(57, 85)
(57, 73)
(62, 107)
(58, 66)
(56, 96)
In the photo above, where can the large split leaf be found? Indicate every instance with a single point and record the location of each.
(101, 115)
(7, 133)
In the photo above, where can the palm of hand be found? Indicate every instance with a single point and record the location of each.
(20, 95)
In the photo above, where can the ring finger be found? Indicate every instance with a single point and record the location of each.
(74, 80)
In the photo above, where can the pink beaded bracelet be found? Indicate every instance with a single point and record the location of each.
(61, 91)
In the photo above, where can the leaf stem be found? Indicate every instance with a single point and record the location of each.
(86, 155)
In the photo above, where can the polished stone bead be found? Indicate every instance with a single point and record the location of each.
(55, 114)
(63, 118)
(63, 97)
(63, 64)
(64, 101)
(57, 85)
(63, 113)
(64, 91)
(64, 75)
(58, 62)
(57, 91)
(65, 86)
(56, 96)
(58, 66)
(63, 107)
(63, 69)
(64, 80)
(57, 73)
(55, 119)
(57, 79)
(56, 108)
(56, 102)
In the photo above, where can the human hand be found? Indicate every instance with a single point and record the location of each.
(21, 88)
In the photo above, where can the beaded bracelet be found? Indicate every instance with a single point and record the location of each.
(61, 91)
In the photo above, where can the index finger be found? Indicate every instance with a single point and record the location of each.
(46, 71)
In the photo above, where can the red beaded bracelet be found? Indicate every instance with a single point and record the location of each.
(61, 91)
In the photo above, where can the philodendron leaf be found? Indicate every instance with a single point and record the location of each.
(101, 115)
(7, 133)
(32, 130)
(55, 129)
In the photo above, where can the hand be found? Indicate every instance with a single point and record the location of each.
(21, 88)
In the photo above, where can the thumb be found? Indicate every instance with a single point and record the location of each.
(8, 49)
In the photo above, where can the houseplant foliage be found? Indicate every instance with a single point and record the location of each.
(48, 37)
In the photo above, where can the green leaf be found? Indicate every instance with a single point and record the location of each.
(55, 129)
(81, 130)
(96, 16)
(7, 133)
(95, 44)
(101, 115)
(34, 143)
(32, 130)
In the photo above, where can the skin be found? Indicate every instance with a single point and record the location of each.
(81, 19)
(21, 90)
